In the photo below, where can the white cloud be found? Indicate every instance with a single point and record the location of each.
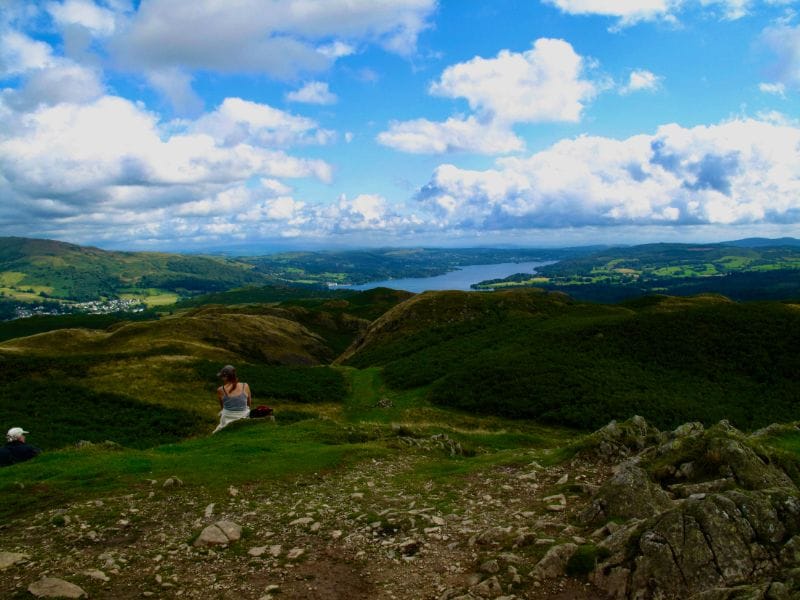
(175, 85)
(276, 37)
(85, 13)
(314, 92)
(544, 83)
(627, 11)
(630, 12)
(20, 54)
(112, 151)
(641, 80)
(784, 42)
(778, 89)
(64, 81)
(422, 136)
(238, 121)
(738, 172)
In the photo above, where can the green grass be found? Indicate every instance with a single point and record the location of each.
(255, 453)
(669, 360)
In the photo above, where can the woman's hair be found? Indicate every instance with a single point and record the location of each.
(228, 373)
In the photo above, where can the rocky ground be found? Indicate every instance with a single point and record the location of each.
(636, 513)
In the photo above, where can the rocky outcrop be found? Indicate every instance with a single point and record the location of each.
(709, 515)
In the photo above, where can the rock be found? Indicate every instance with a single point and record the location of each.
(257, 551)
(720, 541)
(275, 550)
(491, 567)
(96, 574)
(233, 491)
(231, 530)
(172, 482)
(209, 512)
(52, 587)
(218, 534)
(617, 441)
(563, 479)
(409, 547)
(629, 493)
(490, 588)
(302, 521)
(554, 562)
(8, 559)
(295, 553)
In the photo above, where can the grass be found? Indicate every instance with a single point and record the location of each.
(305, 439)
(246, 453)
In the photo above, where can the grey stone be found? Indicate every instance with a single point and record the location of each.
(554, 562)
(8, 559)
(52, 587)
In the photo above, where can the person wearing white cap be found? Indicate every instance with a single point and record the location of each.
(17, 449)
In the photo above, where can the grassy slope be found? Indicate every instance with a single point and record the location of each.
(545, 357)
(323, 437)
(75, 272)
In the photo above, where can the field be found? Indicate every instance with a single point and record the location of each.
(612, 275)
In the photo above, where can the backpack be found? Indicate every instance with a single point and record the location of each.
(259, 412)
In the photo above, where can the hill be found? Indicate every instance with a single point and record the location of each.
(544, 356)
(33, 269)
(746, 271)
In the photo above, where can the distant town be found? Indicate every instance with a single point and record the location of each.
(95, 307)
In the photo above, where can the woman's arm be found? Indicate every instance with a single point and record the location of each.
(249, 398)
(219, 397)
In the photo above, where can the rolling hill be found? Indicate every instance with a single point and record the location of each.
(544, 356)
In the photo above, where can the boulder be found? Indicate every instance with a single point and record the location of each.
(554, 562)
(618, 441)
(52, 587)
(8, 559)
(629, 493)
(715, 542)
(219, 534)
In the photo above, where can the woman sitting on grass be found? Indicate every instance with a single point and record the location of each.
(234, 398)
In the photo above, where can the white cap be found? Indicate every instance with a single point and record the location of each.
(14, 433)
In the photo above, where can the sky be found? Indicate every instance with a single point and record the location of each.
(272, 124)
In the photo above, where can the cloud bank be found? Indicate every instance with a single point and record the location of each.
(737, 172)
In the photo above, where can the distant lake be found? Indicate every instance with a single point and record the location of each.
(461, 279)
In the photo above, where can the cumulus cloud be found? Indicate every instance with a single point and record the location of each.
(784, 42)
(99, 20)
(175, 85)
(738, 172)
(422, 136)
(641, 80)
(630, 12)
(627, 11)
(20, 54)
(545, 83)
(278, 37)
(313, 92)
(110, 154)
(238, 121)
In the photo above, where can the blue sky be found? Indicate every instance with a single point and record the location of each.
(310, 123)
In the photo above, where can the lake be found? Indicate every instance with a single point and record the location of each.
(461, 279)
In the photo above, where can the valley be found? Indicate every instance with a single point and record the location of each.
(435, 445)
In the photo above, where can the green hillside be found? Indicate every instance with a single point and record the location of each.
(32, 269)
(742, 272)
(543, 356)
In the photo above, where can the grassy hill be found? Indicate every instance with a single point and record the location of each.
(32, 269)
(543, 356)
(743, 271)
